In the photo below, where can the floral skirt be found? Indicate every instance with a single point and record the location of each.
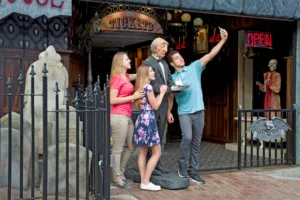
(145, 131)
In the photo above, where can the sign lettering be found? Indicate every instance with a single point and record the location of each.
(130, 21)
(28, 1)
(56, 6)
(43, 3)
(36, 8)
(259, 39)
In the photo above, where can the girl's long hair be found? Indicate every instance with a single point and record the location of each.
(142, 77)
(117, 64)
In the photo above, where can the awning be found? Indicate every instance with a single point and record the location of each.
(279, 9)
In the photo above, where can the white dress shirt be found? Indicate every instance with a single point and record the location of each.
(162, 67)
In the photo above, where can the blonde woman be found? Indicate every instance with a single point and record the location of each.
(146, 132)
(121, 97)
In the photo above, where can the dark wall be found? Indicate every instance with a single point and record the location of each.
(18, 31)
(101, 64)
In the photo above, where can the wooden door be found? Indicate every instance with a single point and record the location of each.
(216, 90)
(11, 62)
(77, 66)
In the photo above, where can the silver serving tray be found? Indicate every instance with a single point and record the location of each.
(180, 87)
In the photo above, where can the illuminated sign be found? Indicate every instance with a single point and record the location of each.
(36, 8)
(130, 21)
(258, 39)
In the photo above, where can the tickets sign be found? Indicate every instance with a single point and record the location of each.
(130, 22)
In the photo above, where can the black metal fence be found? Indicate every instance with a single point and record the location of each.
(76, 164)
(280, 150)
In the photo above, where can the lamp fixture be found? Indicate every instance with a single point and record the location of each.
(175, 19)
(169, 16)
(198, 21)
(186, 17)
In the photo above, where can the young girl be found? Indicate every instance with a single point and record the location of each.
(121, 96)
(145, 132)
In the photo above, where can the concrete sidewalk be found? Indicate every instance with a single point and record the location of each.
(255, 184)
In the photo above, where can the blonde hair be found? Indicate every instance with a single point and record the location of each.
(117, 64)
(142, 77)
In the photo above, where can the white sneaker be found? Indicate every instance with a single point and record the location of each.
(150, 186)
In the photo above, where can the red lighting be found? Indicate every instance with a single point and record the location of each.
(42, 3)
(259, 39)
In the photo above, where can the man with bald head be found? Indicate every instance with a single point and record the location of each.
(159, 48)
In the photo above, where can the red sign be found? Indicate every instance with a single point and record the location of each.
(259, 39)
(40, 3)
(36, 8)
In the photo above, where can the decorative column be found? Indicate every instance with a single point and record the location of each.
(289, 100)
(289, 82)
(245, 74)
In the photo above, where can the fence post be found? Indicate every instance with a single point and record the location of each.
(56, 138)
(87, 147)
(80, 99)
(9, 90)
(45, 132)
(239, 137)
(98, 126)
(96, 142)
(102, 144)
(21, 95)
(107, 141)
(294, 133)
(92, 134)
(76, 100)
(67, 96)
(32, 74)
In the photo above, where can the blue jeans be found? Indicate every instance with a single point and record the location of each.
(191, 129)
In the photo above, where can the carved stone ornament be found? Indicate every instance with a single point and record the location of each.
(267, 130)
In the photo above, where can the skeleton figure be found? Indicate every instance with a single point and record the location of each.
(271, 86)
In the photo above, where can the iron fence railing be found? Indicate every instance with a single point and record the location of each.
(77, 165)
(253, 152)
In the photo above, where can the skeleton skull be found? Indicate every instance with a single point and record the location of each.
(270, 124)
(272, 65)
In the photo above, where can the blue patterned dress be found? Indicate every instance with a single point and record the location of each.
(145, 131)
